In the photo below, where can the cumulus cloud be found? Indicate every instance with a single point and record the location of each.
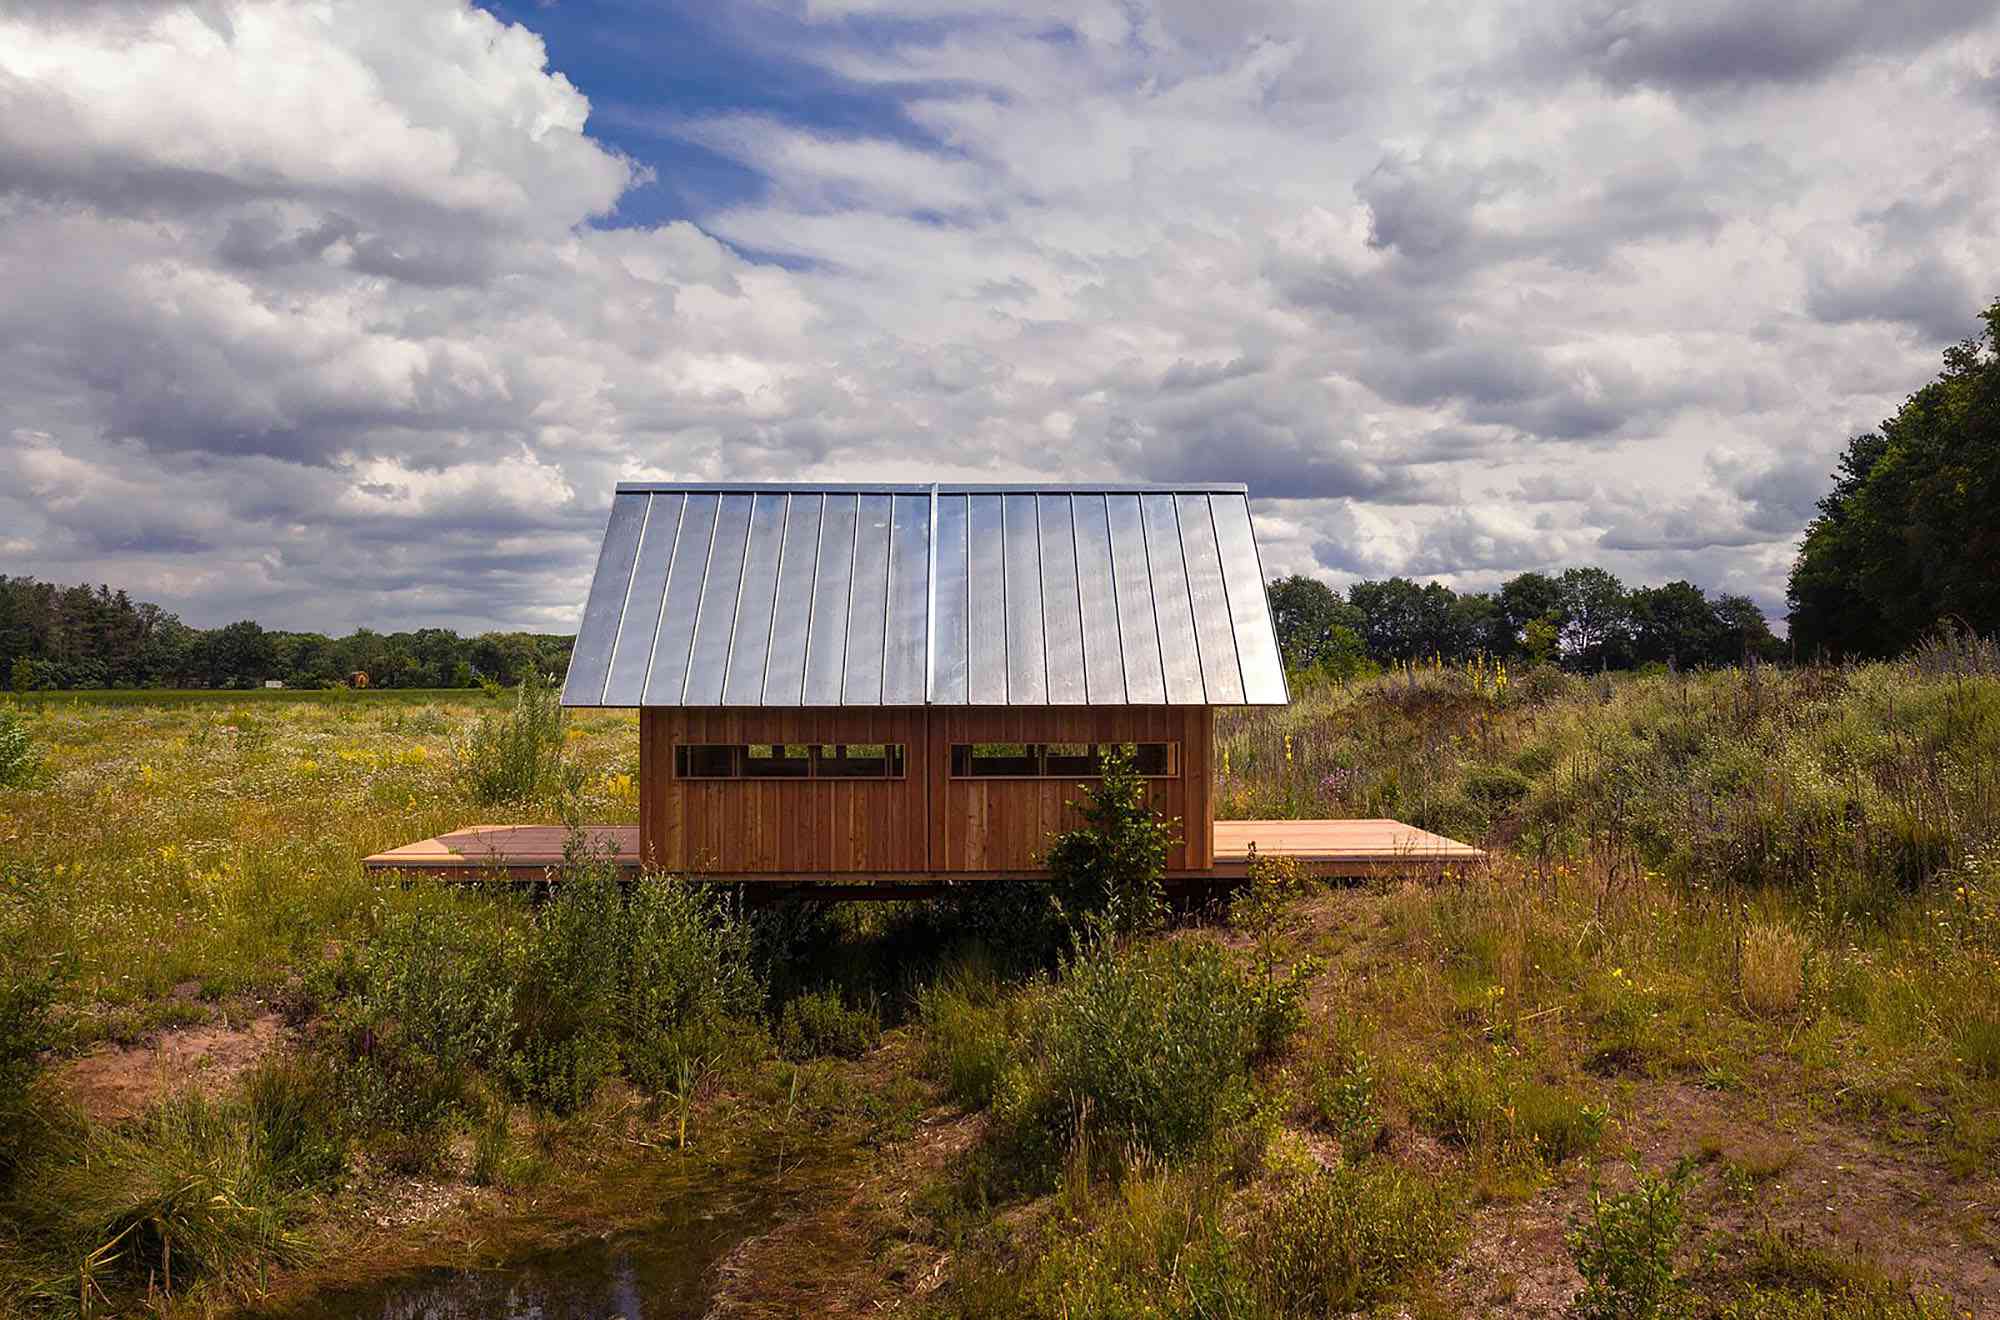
(332, 314)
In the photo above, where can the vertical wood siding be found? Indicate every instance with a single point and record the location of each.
(926, 821)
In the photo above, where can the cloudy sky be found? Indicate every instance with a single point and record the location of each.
(353, 311)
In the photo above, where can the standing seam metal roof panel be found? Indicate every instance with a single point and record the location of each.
(826, 595)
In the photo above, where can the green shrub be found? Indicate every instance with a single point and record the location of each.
(1112, 868)
(820, 1024)
(517, 755)
(1351, 1236)
(1340, 1092)
(688, 989)
(1151, 1047)
(658, 979)
(429, 997)
(565, 1002)
(1624, 1246)
(17, 750)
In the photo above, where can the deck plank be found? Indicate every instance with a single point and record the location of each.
(1331, 847)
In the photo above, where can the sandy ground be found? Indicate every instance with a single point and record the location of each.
(113, 1083)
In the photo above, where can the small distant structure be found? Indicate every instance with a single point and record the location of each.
(357, 679)
(274, 682)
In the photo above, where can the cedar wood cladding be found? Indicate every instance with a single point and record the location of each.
(924, 822)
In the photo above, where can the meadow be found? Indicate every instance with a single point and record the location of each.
(1716, 1032)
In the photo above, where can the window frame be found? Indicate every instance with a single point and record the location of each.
(1040, 754)
(896, 768)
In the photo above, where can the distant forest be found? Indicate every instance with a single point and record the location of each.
(1584, 618)
(94, 637)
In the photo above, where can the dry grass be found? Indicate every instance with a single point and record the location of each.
(1773, 969)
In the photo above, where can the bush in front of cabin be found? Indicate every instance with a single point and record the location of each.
(689, 991)
(820, 1024)
(1111, 869)
(655, 979)
(565, 1004)
(418, 1005)
(1149, 1049)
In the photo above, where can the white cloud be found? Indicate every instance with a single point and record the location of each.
(321, 311)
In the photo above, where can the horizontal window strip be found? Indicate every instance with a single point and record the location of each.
(789, 760)
(1153, 760)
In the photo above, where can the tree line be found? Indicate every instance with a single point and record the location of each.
(94, 637)
(1582, 618)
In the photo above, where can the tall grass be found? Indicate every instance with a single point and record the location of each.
(1847, 785)
(516, 755)
(17, 749)
(1350, 1237)
(204, 1193)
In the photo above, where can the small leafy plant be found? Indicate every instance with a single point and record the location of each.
(820, 1024)
(1112, 867)
(1624, 1245)
(1279, 985)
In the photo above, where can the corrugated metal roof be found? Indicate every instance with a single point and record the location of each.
(765, 595)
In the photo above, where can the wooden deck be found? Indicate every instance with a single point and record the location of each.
(1337, 848)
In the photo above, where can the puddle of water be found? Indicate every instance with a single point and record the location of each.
(648, 1277)
(661, 1271)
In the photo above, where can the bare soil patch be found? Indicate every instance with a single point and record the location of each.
(113, 1083)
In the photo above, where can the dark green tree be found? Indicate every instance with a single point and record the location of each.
(1523, 599)
(1910, 533)
(1596, 619)
(1674, 625)
(240, 655)
(1744, 632)
(1314, 625)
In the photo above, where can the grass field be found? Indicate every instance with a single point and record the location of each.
(1717, 1032)
(221, 697)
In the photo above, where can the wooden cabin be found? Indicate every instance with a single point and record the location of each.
(888, 680)
(900, 686)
